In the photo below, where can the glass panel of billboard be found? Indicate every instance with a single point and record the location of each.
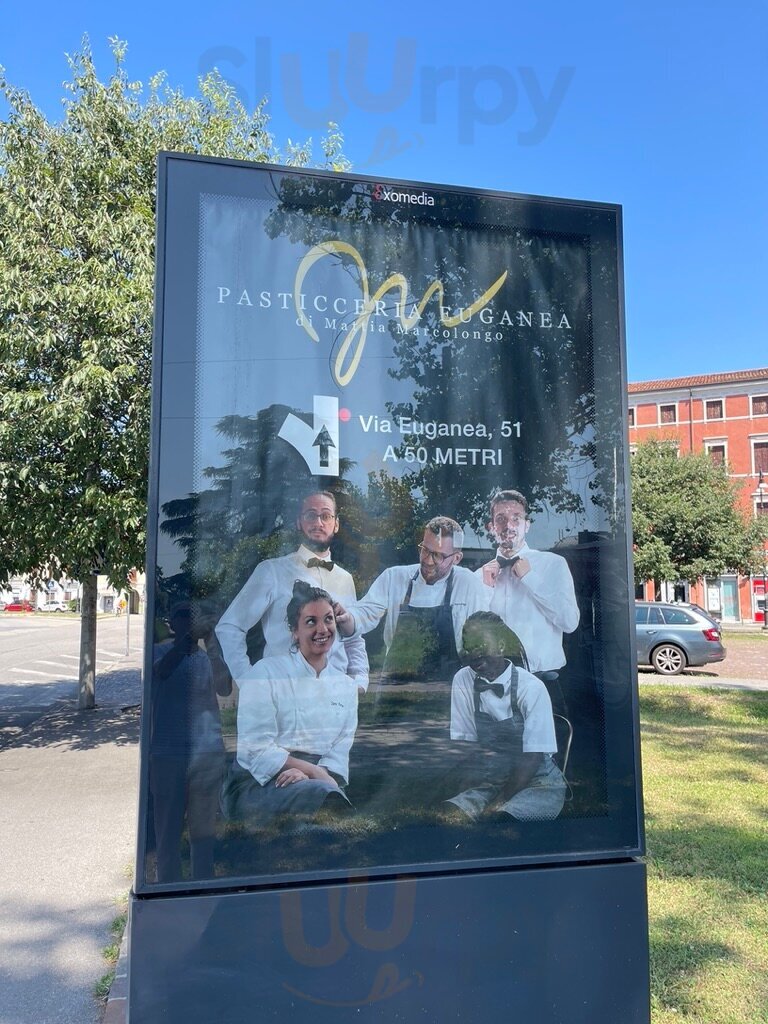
(388, 531)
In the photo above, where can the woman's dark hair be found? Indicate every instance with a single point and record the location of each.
(303, 594)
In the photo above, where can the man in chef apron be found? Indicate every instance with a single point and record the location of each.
(424, 607)
(505, 713)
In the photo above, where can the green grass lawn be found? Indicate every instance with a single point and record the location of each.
(742, 637)
(705, 771)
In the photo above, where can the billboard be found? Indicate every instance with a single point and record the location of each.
(390, 630)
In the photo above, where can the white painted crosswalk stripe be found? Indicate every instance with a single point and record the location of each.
(46, 675)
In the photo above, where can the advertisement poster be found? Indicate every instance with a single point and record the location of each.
(388, 528)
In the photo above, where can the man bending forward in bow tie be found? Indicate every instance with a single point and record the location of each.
(264, 597)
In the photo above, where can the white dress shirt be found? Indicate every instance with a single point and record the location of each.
(285, 707)
(265, 596)
(532, 700)
(539, 607)
(388, 591)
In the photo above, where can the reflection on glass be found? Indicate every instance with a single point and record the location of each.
(187, 749)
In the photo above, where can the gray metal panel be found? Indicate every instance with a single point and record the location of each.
(555, 945)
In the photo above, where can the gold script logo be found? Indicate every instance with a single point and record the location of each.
(351, 350)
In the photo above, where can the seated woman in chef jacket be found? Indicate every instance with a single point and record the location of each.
(296, 721)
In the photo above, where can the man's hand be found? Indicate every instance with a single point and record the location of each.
(521, 567)
(345, 622)
(490, 573)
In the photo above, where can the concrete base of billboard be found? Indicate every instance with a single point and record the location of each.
(546, 945)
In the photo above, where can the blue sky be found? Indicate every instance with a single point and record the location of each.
(659, 107)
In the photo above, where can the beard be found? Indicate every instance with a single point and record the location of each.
(318, 546)
(510, 547)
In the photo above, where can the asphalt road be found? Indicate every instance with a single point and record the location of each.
(39, 659)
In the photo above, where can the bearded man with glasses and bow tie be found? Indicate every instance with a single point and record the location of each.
(507, 713)
(264, 597)
(532, 591)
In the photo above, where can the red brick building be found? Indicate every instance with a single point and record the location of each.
(725, 414)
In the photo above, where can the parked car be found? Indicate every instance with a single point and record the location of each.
(671, 637)
(19, 606)
(54, 606)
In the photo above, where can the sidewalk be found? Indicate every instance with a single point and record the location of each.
(67, 821)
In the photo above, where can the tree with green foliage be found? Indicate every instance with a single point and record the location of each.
(686, 517)
(77, 205)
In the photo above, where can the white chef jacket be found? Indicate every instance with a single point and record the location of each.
(539, 607)
(286, 707)
(388, 591)
(532, 700)
(265, 596)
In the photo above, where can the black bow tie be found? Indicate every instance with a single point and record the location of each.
(481, 685)
(319, 563)
(507, 563)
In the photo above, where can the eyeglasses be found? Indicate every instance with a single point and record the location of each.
(312, 517)
(428, 555)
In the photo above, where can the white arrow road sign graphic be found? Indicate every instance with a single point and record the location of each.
(318, 445)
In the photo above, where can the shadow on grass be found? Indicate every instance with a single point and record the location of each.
(737, 856)
(733, 746)
(679, 957)
(704, 707)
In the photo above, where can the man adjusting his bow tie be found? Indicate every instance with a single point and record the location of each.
(532, 591)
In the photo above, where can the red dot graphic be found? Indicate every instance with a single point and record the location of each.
(345, 415)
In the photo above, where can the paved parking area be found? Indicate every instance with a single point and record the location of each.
(747, 658)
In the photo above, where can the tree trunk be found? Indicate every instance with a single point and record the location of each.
(87, 684)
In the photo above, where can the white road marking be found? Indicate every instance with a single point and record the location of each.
(111, 654)
(31, 672)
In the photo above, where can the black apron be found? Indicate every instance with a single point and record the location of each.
(423, 648)
(410, 761)
(499, 744)
(500, 747)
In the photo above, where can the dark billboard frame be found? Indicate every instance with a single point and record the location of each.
(181, 181)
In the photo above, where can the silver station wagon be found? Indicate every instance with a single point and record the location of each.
(671, 637)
